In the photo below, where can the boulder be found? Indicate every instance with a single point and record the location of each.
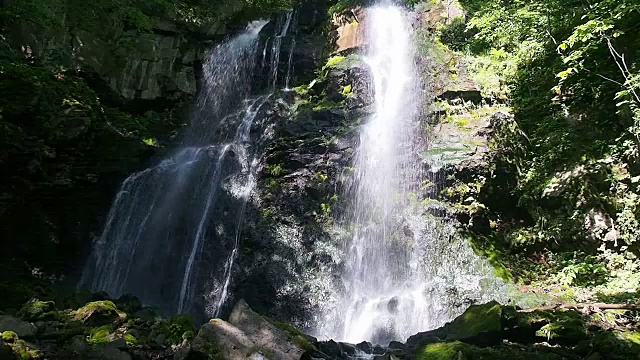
(247, 335)
(36, 310)
(9, 337)
(219, 339)
(108, 352)
(20, 327)
(480, 325)
(265, 334)
(97, 313)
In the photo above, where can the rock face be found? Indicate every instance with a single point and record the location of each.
(351, 25)
(159, 62)
(247, 335)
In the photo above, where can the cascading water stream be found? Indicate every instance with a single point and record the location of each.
(375, 264)
(403, 273)
(281, 31)
(174, 225)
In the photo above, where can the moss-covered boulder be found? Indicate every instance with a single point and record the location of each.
(556, 327)
(617, 345)
(9, 337)
(461, 351)
(36, 310)
(479, 325)
(98, 313)
(247, 335)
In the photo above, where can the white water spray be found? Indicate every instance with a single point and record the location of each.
(403, 272)
(172, 234)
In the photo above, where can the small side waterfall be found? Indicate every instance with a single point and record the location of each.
(404, 272)
(282, 30)
(172, 234)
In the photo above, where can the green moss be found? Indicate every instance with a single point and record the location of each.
(101, 335)
(97, 312)
(333, 61)
(299, 338)
(461, 351)
(130, 339)
(176, 329)
(35, 310)
(478, 319)
(487, 250)
(9, 337)
(441, 351)
(618, 345)
(23, 352)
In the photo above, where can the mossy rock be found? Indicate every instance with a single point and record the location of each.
(101, 335)
(461, 351)
(564, 327)
(9, 337)
(480, 324)
(175, 330)
(617, 345)
(97, 313)
(36, 310)
(301, 339)
(23, 351)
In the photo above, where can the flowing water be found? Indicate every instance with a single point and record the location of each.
(172, 234)
(404, 271)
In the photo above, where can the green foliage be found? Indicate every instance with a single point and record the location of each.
(36, 310)
(455, 34)
(342, 5)
(570, 72)
(333, 61)
(100, 335)
(176, 329)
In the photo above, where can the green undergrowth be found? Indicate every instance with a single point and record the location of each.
(492, 331)
(555, 204)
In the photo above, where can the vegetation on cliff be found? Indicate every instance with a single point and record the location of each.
(557, 199)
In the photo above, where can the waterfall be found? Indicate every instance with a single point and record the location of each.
(404, 272)
(282, 30)
(172, 234)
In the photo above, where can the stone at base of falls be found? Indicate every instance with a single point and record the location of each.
(264, 333)
(97, 313)
(247, 335)
(479, 325)
(22, 328)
